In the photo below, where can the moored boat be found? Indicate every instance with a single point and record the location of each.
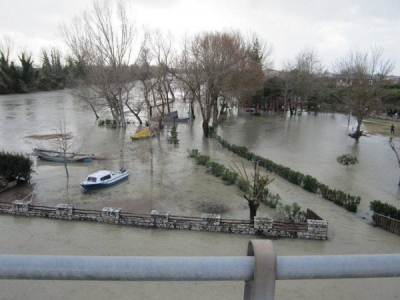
(173, 117)
(104, 178)
(182, 119)
(58, 156)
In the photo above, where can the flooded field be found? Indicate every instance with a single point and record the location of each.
(164, 178)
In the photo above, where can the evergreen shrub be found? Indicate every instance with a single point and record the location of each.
(270, 199)
(229, 176)
(193, 152)
(310, 184)
(15, 166)
(215, 168)
(202, 159)
(385, 209)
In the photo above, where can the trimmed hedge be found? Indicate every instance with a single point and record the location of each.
(385, 209)
(307, 182)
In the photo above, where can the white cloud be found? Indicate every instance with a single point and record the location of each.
(330, 28)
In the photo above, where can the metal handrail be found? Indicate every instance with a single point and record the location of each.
(116, 268)
(42, 267)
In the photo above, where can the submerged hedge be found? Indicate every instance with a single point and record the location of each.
(307, 182)
(292, 213)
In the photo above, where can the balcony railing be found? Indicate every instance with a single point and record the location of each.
(260, 269)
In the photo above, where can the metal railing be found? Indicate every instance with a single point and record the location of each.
(260, 269)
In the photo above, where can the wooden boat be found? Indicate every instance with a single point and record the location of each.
(57, 156)
(104, 178)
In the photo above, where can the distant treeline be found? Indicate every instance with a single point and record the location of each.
(54, 74)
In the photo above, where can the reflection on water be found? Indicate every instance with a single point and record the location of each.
(164, 178)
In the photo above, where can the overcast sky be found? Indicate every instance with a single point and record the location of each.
(330, 29)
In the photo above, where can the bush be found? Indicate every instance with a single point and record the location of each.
(292, 213)
(15, 166)
(243, 185)
(310, 184)
(193, 152)
(215, 168)
(202, 159)
(173, 139)
(346, 160)
(213, 130)
(270, 199)
(340, 198)
(385, 209)
(241, 151)
(229, 176)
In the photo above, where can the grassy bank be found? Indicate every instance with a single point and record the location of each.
(381, 126)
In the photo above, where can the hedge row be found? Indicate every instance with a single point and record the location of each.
(216, 169)
(291, 213)
(15, 166)
(307, 182)
(385, 209)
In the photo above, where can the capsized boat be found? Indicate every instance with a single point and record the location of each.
(104, 178)
(58, 156)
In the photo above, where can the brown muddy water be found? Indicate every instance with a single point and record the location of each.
(164, 178)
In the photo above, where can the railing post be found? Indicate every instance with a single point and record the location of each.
(262, 287)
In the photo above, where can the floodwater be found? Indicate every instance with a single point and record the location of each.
(164, 178)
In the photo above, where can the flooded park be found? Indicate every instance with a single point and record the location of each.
(164, 178)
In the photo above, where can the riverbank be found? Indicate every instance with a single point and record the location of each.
(380, 126)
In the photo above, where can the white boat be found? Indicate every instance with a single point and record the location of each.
(104, 178)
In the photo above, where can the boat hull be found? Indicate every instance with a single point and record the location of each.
(89, 186)
(59, 157)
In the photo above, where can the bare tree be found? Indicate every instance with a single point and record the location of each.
(252, 190)
(103, 38)
(63, 143)
(303, 76)
(361, 74)
(162, 51)
(215, 64)
(6, 46)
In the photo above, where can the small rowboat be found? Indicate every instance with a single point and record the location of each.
(58, 156)
(104, 178)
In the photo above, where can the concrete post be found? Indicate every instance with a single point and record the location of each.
(262, 287)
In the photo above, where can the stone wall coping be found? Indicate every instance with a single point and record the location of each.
(265, 226)
(111, 209)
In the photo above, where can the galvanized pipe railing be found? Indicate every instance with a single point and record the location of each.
(260, 269)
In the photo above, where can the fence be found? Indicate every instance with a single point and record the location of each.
(312, 229)
(260, 269)
(387, 223)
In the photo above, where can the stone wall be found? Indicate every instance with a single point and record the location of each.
(316, 229)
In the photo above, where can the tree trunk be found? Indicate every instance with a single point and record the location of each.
(290, 107)
(193, 116)
(215, 112)
(253, 206)
(206, 128)
(358, 130)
